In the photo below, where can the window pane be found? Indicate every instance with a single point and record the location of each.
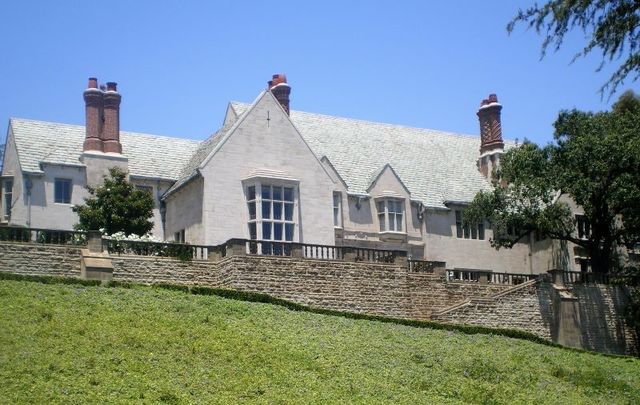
(288, 232)
(399, 222)
(467, 232)
(383, 227)
(288, 194)
(8, 186)
(266, 192)
(459, 230)
(251, 193)
(481, 231)
(266, 210)
(253, 234)
(252, 210)
(266, 230)
(277, 193)
(288, 212)
(277, 231)
(277, 210)
(336, 217)
(380, 206)
(474, 232)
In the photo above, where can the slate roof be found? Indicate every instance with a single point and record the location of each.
(149, 155)
(435, 166)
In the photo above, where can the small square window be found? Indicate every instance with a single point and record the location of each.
(62, 191)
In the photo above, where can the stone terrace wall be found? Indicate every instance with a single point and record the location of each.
(603, 327)
(35, 259)
(149, 270)
(347, 286)
(527, 309)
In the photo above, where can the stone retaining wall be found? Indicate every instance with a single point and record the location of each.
(381, 289)
(35, 259)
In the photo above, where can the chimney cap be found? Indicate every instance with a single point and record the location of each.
(278, 78)
(492, 99)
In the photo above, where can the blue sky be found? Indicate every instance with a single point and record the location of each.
(178, 63)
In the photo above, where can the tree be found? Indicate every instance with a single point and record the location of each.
(613, 27)
(116, 206)
(595, 161)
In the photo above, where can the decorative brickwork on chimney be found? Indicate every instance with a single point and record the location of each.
(280, 89)
(93, 108)
(490, 126)
(102, 118)
(111, 129)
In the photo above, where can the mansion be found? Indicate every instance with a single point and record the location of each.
(271, 173)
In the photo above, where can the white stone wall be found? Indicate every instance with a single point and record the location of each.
(442, 244)
(272, 148)
(184, 211)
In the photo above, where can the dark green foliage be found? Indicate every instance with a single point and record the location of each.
(612, 25)
(595, 161)
(116, 206)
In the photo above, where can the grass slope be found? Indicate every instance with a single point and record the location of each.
(72, 343)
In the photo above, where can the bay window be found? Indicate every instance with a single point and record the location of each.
(390, 215)
(271, 210)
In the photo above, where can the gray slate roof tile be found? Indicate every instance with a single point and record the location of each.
(149, 155)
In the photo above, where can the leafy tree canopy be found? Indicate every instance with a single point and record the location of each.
(595, 160)
(116, 206)
(612, 25)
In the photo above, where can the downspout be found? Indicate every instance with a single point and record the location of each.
(28, 184)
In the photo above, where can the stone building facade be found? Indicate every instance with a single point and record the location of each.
(277, 174)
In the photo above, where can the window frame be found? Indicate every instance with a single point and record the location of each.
(261, 216)
(7, 199)
(384, 215)
(477, 232)
(337, 210)
(62, 180)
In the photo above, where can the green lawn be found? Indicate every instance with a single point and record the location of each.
(77, 344)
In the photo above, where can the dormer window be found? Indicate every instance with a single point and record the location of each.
(391, 214)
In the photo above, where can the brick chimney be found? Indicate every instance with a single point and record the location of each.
(111, 128)
(490, 126)
(280, 89)
(93, 108)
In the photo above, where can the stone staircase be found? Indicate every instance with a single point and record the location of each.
(482, 300)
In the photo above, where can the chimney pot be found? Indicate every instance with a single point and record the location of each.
(111, 86)
(280, 89)
(93, 83)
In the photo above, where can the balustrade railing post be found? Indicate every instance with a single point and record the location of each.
(94, 241)
(349, 254)
(483, 277)
(297, 250)
(236, 247)
(400, 258)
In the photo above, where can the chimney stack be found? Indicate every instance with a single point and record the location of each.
(93, 109)
(102, 117)
(490, 126)
(280, 89)
(111, 129)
